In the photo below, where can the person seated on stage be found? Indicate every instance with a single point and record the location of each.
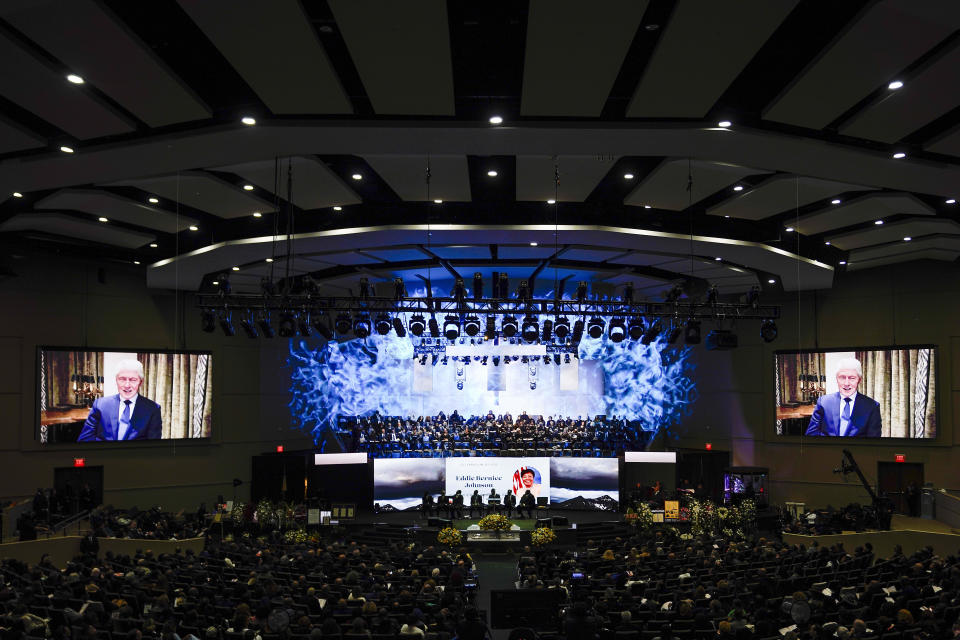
(509, 502)
(528, 502)
(443, 505)
(456, 510)
(427, 506)
(493, 500)
(476, 502)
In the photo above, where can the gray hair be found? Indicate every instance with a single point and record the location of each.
(852, 364)
(129, 365)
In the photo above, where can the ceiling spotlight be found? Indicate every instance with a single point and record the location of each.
(287, 327)
(249, 121)
(266, 329)
(531, 328)
(595, 328)
(674, 334)
(577, 332)
(509, 326)
(248, 187)
(628, 176)
(193, 227)
(533, 244)
(322, 326)
(338, 208)
(724, 124)
(235, 268)
(768, 330)
(17, 194)
(896, 84)
(547, 333)
(491, 330)
(842, 262)
(417, 325)
(651, 333)
(950, 201)
(138, 262)
(66, 149)
(551, 201)
(789, 229)
(226, 325)
(257, 214)
(835, 201)
(826, 242)
(357, 176)
(907, 238)
(471, 326)
(562, 327)
(617, 330)
(361, 326)
(208, 321)
(635, 330)
(342, 324)
(771, 281)
(718, 258)
(153, 200)
(153, 245)
(691, 333)
(738, 188)
(438, 201)
(383, 324)
(248, 326)
(75, 79)
(492, 173)
(398, 327)
(878, 222)
(496, 120)
(303, 324)
(646, 206)
(898, 155)
(102, 219)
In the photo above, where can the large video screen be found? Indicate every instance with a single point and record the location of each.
(858, 393)
(571, 483)
(107, 396)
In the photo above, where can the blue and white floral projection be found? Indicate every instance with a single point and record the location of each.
(651, 384)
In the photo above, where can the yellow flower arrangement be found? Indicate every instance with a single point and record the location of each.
(495, 522)
(450, 537)
(542, 536)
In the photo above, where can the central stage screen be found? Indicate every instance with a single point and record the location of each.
(572, 483)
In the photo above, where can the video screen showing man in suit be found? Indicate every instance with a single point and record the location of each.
(126, 415)
(846, 413)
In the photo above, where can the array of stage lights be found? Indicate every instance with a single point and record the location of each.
(517, 315)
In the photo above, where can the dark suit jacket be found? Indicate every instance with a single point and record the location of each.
(103, 423)
(865, 421)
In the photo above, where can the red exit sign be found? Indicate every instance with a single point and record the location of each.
(899, 457)
(279, 448)
(708, 446)
(79, 462)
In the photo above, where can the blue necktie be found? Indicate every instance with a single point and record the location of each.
(845, 417)
(125, 421)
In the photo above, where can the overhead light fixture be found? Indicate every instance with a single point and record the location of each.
(382, 324)
(531, 328)
(438, 201)
(646, 206)
(562, 327)
(724, 124)
(357, 176)
(17, 194)
(471, 326)
(907, 238)
(789, 229)
(896, 84)
(771, 281)
(533, 244)
(691, 332)
(674, 334)
(434, 327)
(577, 332)
(835, 201)
(257, 214)
(338, 208)
(248, 120)
(768, 330)
(551, 201)
(842, 262)
(417, 325)
(635, 330)
(496, 120)
(628, 176)
(492, 173)
(509, 326)
(236, 268)
(102, 219)
(66, 149)
(491, 330)
(651, 334)
(595, 328)
(398, 327)
(547, 334)
(226, 325)
(899, 154)
(75, 79)
(718, 258)
(248, 187)
(950, 201)
(826, 242)
(266, 329)
(193, 227)
(738, 188)
(617, 330)
(361, 326)
(287, 327)
(208, 321)
(153, 200)
(138, 262)
(248, 326)
(153, 245)
(878, 222)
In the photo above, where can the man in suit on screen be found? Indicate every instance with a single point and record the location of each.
(846, 413)
(126, 415)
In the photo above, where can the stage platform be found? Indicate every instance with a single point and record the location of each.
(910, 533)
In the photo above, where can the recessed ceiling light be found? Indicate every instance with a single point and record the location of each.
(194, 227)
(651, 27)
(496, 119)
(66, 149)
(950, 201)
(907, 238)
(153, 245)
(215, 282)
(249, 121)
(533, 244)
(248, 187)
(718, 258)
(269, 260)
(896, 84)
(153, 200)
(357, 176)
(338, 208)
(75, 79)
(646, 206)
(835, 201)
(438, 201)
(17, 194)
(771, 281)
(826, 242)
(738, 188)
(724, 124)
(551, 201)
(878, 222)
(726, 216)
(257, 214)
(136, 262)
(628, 176)
(789, 229)
(842, 262)
(898, 155)
(492, 173)
(236, 268)
(102, 219)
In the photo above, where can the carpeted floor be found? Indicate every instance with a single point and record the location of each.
(497, 571)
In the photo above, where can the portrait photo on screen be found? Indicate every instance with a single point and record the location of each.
(858, 393)
(111, 396)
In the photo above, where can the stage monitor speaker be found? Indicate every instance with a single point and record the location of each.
(560, 521)
(543, 522)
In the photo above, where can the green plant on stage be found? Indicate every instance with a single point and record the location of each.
(495, 522)
(542, 536)
(644, 519)
(450, 537)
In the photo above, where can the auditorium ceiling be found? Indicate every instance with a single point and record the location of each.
(734, 142)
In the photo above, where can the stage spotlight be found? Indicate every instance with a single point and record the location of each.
(471, 326)
(423, 359)
(562, 328)
(508, 326)
(398, 327)
(618, 330)
(303, 324)
(674, 334)
(208, 321)
(496, 361)
(342, 325)
(266, 329)
(556, 359)
(651, 333)
(417, 325)
(768, 330)
(249, 328)
(434, 328)
(443, 360)
(491, 331)
(635, 331)
(361, 326)
(691, 333)
(286, 328)
(483, 361)
(434, 359)
(382, 325)
(525, 360)
(477, 285)
(595, 328)
(531, 328)
(578, 331)
(547, 334)
(322, 326)
(451, 328)
(226, 325)
(566, 358)
(753, 297)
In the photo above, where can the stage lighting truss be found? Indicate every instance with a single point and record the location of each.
(543, 320)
